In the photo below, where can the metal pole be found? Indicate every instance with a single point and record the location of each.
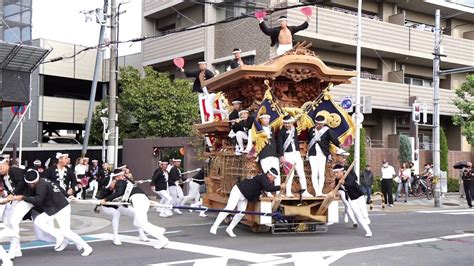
(15, 128)
(103, 146)
(116, 145)
(436, 145)
(112, 86)
(98, 59)
(21, 141)
(357, 107)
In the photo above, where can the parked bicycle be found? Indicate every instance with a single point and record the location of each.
(423, 186)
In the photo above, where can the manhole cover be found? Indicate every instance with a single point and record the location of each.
(451, 204)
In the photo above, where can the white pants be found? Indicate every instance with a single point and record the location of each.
(271, 162)
(141, 204)
(240, 136)
(360, 214)
(63, 218)
(282, 48)
(295, 158)
(165, 198)
(249, 142)
(94, 187)
(347, 208)
(116, 213)
(176, 193)
(236, 199)
(13, 215)
(6, 234)
(318, 167)
(193, 194)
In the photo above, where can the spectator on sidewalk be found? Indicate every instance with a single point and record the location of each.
(468, 180)
(388, 173)
(366, 182)
(404, 174)
(461, 185)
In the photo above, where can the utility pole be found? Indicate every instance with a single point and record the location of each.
(98, 59)
(357, 106)
(112, 86)
(436, 144)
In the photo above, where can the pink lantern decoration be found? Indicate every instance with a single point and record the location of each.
(307, 11)
(179, 62)
(260, 14)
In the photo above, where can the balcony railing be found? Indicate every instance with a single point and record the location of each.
(395, 96)
(153, 6)
(341, 27)
(63, 110)
(174, 45)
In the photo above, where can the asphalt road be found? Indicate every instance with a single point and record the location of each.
(403, 235)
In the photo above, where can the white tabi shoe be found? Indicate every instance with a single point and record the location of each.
(306, 194)
(87, 251)
(8, 262)
(213, 230)
(63, 246)
(162, 243)
(368, 235)
(117, 241)
(59, 242)
(230, 232)
(177, 211)
(202, 214)
(346, 218)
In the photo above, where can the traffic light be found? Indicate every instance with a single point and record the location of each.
(416, 112)
(156, 151)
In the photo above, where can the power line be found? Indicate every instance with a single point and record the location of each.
(190, 28)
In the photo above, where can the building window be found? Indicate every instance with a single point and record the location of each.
(234, 9)
(417, 81)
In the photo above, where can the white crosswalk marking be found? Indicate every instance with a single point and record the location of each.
(450, 212)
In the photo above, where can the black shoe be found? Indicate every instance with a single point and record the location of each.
(405, 201)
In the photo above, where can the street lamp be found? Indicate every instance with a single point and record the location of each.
(105, 136)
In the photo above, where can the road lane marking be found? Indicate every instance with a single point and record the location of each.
(200, 249)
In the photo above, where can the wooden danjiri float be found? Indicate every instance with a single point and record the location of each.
(298, 82)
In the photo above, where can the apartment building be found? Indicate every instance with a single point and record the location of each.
(397, 47)
(60, 92)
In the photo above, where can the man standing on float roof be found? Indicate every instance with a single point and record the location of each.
(201, 75)
(283, 35)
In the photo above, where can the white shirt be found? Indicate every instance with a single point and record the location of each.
(388, 172)
(80, 169)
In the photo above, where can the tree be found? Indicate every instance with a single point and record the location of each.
(443, 143)
(404, 151)
(464, 102)
(161, 107)
(150, 106)
(363, 160)
(125, 127)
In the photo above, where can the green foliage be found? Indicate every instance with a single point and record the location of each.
(453, 184)
(161, 107)
(464, 102)
(150, 106)
(444, 150)
(363, 160)
(377, 186)
(95, 138)
(404, 151)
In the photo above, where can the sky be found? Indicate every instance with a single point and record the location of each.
(61, 20)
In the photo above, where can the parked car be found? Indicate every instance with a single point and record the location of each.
(68, 141)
